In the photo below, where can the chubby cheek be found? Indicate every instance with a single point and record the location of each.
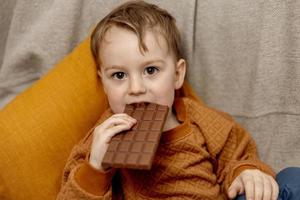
(115, 99)
(164, 94)
(116, 104)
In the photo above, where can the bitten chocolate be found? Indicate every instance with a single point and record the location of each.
(136, 147)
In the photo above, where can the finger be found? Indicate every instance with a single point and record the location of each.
(235, 188)
(102, 141)
(249, 186)
(120, 116)
(120, 127)
(104, 134)
(116, 129)
(124, 115)
(117, 118)
(275, 189)
(267, 192)
(258, 187)
(114, 121)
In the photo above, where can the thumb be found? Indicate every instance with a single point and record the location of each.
(236, 188)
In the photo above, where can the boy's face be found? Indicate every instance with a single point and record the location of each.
(128, 76)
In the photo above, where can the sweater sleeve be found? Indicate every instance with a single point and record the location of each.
(231, 147)
(239, 153)
(80, 180)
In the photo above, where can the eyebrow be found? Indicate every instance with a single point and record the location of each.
(113, 67)
(143, 64)
(153, 61)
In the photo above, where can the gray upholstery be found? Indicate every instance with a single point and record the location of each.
(244, 57)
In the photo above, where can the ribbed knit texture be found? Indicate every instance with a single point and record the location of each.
(196, 160)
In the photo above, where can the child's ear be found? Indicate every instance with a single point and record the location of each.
(99, 73)
(100, 76)
(180, 73)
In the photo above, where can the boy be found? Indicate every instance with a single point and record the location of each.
(203, 153)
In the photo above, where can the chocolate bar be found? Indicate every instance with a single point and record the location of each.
(136, 147)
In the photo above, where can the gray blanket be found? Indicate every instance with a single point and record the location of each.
(244, 57)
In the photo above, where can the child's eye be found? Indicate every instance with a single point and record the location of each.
(119, 75)
(151, 70)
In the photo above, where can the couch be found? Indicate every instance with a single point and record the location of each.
(243, 58)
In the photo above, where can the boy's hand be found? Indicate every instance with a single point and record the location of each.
(103, 134)
(255, 184)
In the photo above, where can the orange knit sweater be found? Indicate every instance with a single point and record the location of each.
(196, 160)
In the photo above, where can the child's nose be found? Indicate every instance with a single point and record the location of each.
(136, 86)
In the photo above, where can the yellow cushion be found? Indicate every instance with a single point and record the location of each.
(39, 128)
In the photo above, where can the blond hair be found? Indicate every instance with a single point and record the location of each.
(138, 16)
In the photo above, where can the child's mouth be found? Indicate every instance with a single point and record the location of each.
(140, 104)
